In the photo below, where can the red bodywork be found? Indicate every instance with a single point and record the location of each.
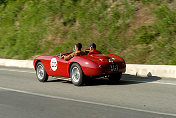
(92, 65)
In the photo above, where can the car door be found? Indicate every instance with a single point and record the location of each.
(59, 67)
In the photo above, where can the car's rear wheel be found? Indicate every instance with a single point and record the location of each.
(76, 74)
(115, 77)
(41, 74)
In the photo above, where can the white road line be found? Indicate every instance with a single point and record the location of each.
(15, 70)
(87, 102)
(154, 82)
(164, 83)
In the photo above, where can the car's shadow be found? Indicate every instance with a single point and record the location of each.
(125, 80)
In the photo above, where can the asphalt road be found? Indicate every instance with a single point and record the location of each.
(23, 96)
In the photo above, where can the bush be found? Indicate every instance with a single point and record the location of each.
(29, 28)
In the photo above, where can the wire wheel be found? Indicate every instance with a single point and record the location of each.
(76, 74)
(41, 73)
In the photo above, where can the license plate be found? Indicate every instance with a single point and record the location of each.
(114, 68)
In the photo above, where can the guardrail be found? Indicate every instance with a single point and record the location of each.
(16, 63)
(151, 70)
(132, 69)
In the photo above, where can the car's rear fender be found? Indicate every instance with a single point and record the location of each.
(89, 68)
(117, 57)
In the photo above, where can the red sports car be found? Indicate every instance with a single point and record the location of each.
(80, 68)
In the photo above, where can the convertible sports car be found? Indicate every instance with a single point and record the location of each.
(80, 68)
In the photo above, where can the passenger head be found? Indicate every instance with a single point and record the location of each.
(92, 46)
(78, 47)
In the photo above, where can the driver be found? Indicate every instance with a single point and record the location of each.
(77, 52)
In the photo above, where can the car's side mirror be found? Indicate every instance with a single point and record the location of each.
(60, 57)
(73, 49)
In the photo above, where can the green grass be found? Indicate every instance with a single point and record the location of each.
(35, 27)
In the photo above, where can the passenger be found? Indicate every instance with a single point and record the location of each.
(77, 52)
(93, 49)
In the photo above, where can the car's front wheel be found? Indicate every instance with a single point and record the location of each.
(76, 74)
(115, 77)
(41, 74)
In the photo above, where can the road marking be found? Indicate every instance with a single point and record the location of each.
(154, 82)
(165, 83)
(15, 70)
(87, 102)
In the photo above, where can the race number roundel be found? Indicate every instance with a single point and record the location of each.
(53, 64)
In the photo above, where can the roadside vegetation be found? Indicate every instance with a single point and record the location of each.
(141, 31)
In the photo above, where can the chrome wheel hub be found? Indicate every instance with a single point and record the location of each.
(75, 74)
(40, 72)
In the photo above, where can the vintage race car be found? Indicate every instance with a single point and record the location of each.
(80, 68)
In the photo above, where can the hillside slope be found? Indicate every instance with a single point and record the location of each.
(141, 31)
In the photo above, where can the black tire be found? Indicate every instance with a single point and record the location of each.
(115, 77)
(41, 74)
(76, 74)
